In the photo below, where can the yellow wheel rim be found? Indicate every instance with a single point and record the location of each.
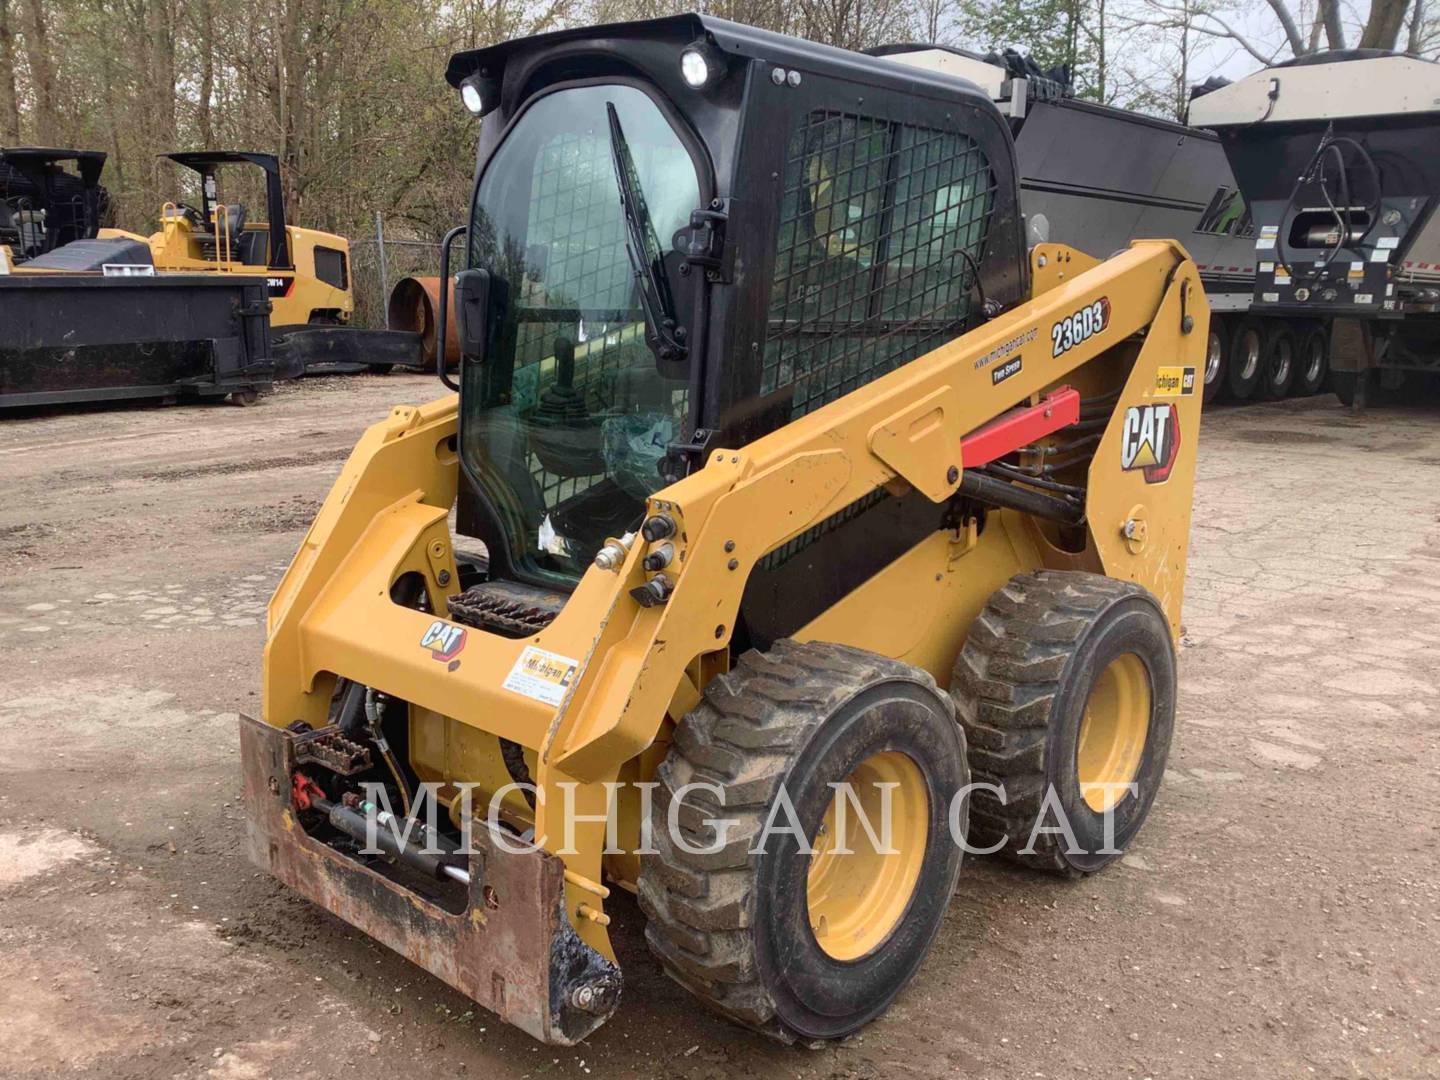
(1113, 731)
(855, 898)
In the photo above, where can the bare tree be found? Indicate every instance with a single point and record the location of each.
(937, 18)
(1328, 15)
(204, 26)
(9, 94)
(42, 72)
(1380, 29)
(854, 24)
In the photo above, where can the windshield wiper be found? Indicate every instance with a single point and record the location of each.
(664, 335)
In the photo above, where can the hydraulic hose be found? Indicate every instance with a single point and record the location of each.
(1314, 172)
(372, 719)
(354, 823)
(979, 485)
(1005, 472)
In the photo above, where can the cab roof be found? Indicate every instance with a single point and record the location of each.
(88, 162)
(733, 39)
(199, 160)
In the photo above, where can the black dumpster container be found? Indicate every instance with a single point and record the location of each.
(85, 337)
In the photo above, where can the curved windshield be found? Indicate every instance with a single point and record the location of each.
(567, 421)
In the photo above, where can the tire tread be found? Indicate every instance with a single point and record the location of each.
(743, 736)
(1005, 680)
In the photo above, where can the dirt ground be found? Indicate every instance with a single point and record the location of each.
(1278, 917)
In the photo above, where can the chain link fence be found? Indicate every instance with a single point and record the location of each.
(377, 262)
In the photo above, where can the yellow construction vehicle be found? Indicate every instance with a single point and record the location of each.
(790, 490)
(307, 271)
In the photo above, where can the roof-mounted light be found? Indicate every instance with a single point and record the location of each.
(700, 65)
(479, 93)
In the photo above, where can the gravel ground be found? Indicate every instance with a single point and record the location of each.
(1278, 917)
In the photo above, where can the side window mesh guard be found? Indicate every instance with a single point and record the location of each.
(870, 267)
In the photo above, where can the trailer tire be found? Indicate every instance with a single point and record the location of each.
(1066, 682)
(1247, 352)
(1217, 353)
(1277, 369)
(734, 926)
(1312, 360)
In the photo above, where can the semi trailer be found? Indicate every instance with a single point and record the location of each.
(1338, 158)
(1098, 177)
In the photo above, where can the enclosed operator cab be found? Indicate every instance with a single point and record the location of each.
(794, 221)
(42, 205)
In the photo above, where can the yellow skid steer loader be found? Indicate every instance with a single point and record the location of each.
(790, 492)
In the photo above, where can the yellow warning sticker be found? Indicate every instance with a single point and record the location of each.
(544, 676)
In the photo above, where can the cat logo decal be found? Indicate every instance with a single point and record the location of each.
(443, 640)
(1150, 441)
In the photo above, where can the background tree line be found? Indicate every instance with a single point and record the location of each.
(350, 95)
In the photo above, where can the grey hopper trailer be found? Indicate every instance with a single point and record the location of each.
(1338, 156)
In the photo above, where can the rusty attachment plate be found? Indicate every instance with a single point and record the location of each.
(513, 949)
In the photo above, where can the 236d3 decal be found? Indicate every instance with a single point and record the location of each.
(1081, 326)
(1150, 441)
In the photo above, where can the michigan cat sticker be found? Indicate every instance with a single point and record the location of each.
(1174, 382)
(1150, 441)
(542, 675)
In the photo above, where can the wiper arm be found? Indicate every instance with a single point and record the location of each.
(665, 337)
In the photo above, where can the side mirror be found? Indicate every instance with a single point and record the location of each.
(442, 317)
(472, 311)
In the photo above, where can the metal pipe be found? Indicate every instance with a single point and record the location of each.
(380, 249)
(354, 824)
(999, 493)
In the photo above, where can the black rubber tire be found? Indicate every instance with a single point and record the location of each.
(1247, 353)
(1312, 359)
(1277, 367)
(733, 927)
(1021, 686)
(1217, 356)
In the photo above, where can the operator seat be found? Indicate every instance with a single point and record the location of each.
(232, 227)
(252, 247)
